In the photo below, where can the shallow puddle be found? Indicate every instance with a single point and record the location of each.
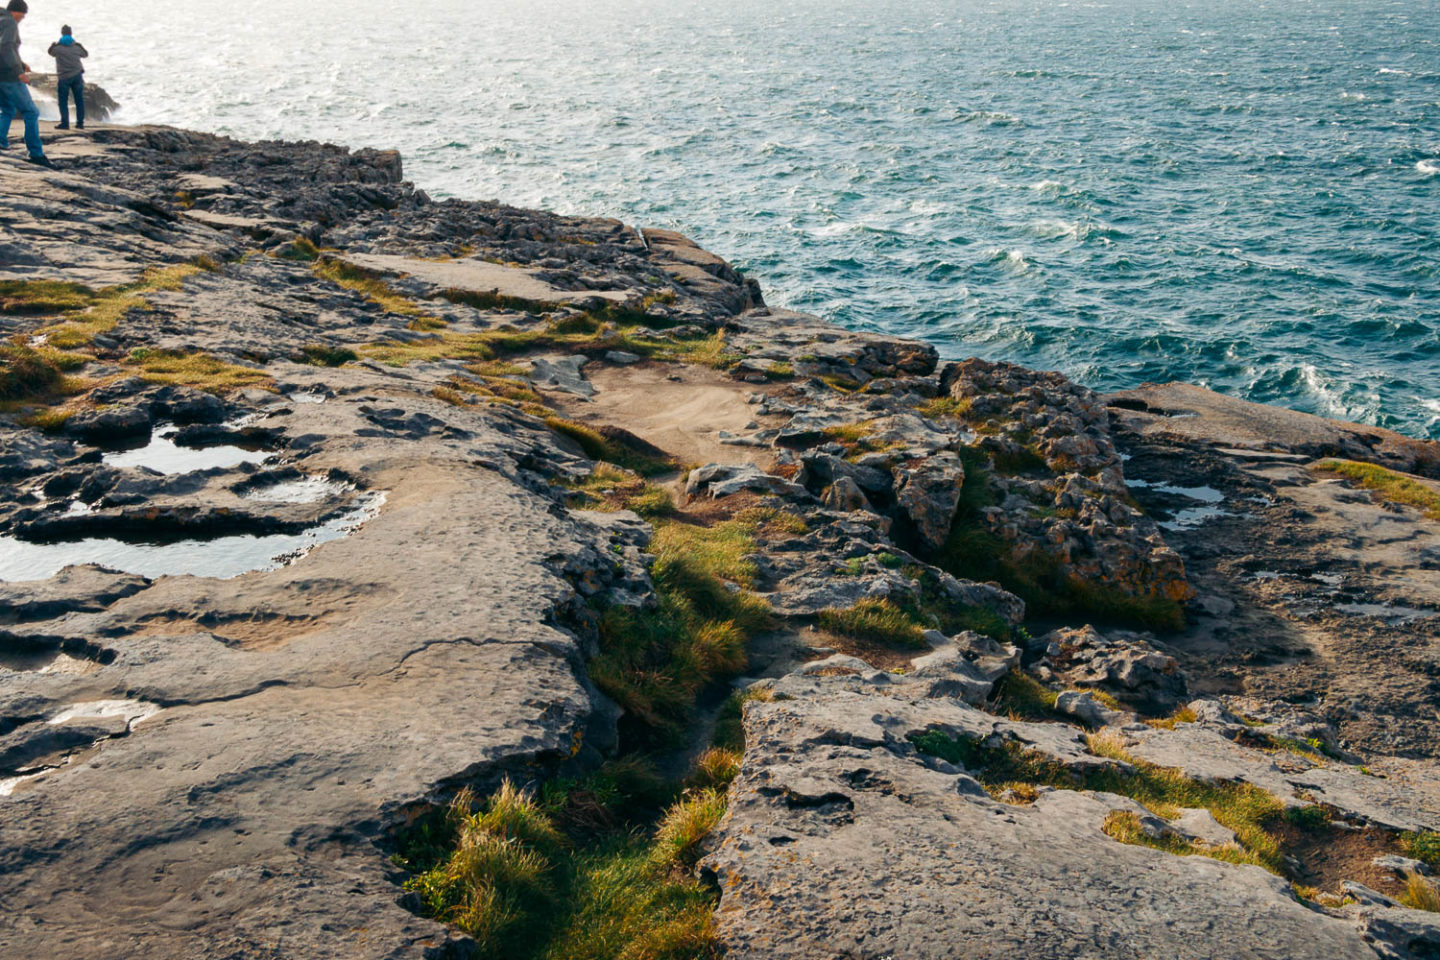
(220, 558)
(165, 456)
(133, 711)
(303, 490)
(1390, 613)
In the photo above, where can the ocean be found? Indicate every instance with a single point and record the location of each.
(1238, 193)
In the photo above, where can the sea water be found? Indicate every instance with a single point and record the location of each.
(1238, 193)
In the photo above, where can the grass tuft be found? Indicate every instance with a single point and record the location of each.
(957, 408)
(300, 249)
(1420, 894)
(686, 825)
(26, 373)
(1181, 715)
(1389, 485)
(1423, 846)
(729, 723)
(875, 621)
(592, 869)
(322, 355)
(599, 447)
(716, 767)
(1252, 813)
(42, 297)
(199, 370)
(655, 663)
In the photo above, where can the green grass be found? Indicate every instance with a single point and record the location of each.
(300, 249)
(1420, 894)
(199, 370)
(1389, 485)
(323, 355)
(368, 284)
(1423, 846)
(27, 373)
(42, 297)
(613, 488)
(655, 663)
(1020, 696)
(601, 868)
(957, 408)
(597, 446)
(1252, 813)
(1124, 826)
(876, 621)
(729, 723)
(494, 300)
(973, 552)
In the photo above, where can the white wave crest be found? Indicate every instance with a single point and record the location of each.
(1428, 167)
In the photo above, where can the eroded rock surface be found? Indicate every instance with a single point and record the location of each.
(380, 408)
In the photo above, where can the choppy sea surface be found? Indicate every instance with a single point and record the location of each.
(1239, 193)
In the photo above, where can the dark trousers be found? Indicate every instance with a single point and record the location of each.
(76, 86)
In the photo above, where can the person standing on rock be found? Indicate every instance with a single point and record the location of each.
(14, 94)
(70, 78)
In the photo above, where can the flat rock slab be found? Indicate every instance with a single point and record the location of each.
(1192, 413)
(228, 762)
(843, 847)
(481, 276)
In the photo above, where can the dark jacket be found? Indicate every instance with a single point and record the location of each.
(11, 66)
(67, 59)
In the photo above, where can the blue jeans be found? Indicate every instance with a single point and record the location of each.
(73, 86)
(15, 99)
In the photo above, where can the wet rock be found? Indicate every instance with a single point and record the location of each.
(112, 425)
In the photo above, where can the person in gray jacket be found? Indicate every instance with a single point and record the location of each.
(70, 77)
(14, 94)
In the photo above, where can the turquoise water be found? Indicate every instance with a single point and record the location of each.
(1239, 194)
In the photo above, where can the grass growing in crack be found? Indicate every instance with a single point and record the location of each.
(597, 446)
(875, 621)
(25, 373)
(729, 732)
(957, 408)
(1250, 812)
(1124, 825)
(612, 488)
(1423, 846)
(1020, 696)
(594, 869)
(301, 249)
(1420, 894)
(323, 355)
(368, 284)
(42, 297)
(198, 370)
(85, 313)
(1389, 485)
(655, 663)
(1181, 715)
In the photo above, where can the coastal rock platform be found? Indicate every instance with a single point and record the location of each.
(315, 493)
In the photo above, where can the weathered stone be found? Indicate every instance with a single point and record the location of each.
(1125, 664)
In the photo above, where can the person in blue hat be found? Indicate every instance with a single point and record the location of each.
(14, 94)
(70, 76)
